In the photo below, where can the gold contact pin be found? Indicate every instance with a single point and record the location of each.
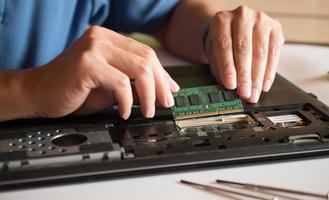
(209, 114)
(196, 115)
(235, 110)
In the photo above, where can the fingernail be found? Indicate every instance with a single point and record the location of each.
(125, 116)
(170, 100)
(230, 82)
(151, 112)
(267, 86)
(174, 86)
(254, 95)
(244, 90)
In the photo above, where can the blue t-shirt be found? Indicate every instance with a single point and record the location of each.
(33, 32)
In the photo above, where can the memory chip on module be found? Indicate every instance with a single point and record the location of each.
(205, 101)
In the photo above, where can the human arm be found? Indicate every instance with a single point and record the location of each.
(12, 98)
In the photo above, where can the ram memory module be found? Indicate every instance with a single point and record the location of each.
(205, 101)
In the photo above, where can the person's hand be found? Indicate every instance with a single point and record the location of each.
(243, 48)
(100, 69)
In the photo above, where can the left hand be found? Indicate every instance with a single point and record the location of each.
(243, 48)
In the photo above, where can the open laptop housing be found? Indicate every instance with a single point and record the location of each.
(41, 151)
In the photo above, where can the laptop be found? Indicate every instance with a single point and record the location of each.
(287, 123)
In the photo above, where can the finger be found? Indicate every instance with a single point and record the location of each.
(275, 45)
(174, 87)
(138, 69)
(213, 67)
(242, 48)
(261, 34)
(211, 59)
(222, 50)
(118, 84)
(162, 80)
(210, 55)
(163, 85)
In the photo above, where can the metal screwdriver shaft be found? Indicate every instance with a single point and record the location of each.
(254, 186)
(212, 188)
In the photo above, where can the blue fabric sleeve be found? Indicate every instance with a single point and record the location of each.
(145, 16)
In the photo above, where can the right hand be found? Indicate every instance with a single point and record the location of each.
(95, 73)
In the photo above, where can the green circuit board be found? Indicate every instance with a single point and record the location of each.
(205, 101)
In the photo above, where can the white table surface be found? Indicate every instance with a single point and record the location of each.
(306, 66)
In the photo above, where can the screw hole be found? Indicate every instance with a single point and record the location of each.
(282, 140)
(159, 152)
(326, 136)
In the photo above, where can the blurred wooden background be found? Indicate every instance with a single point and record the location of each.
(303, 21)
